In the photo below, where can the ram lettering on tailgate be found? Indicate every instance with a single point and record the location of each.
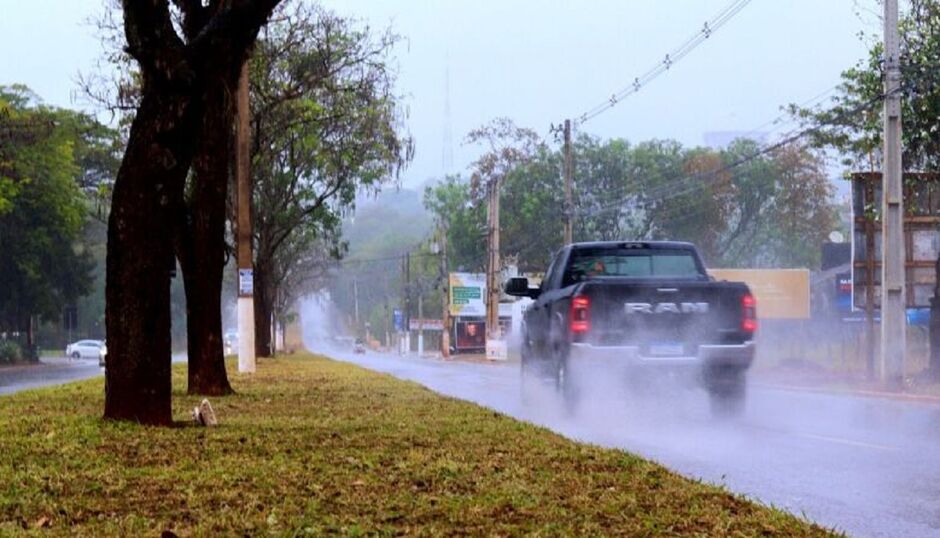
(667, 308)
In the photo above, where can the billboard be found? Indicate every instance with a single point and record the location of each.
(470, 335)
(467, 294)
(780, 293)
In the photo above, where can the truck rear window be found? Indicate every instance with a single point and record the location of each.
(631, 263)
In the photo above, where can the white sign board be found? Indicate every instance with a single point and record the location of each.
(246, 282)
(467, 294)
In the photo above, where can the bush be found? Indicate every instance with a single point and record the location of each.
(10, 352)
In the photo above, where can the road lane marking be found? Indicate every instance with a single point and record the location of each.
(849, 442)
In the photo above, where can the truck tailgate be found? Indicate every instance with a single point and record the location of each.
(664, 318)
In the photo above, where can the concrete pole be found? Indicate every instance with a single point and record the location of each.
(421, 323)
(893, 320)
(356, 300)
(569, 206)
(246, 302)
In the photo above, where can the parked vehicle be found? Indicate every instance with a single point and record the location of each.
(87, 349)
(637, 309)
(230, 343)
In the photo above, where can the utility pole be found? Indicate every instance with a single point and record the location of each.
(569, 206)
(405, 340)
(420, 322)
(492, 266)
(445, 294)
(246, 303)
(893, 318)
(356, 300)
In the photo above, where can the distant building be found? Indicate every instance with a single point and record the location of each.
(723, 139)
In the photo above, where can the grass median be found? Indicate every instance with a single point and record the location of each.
(310, 446)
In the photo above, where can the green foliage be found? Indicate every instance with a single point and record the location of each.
(740, 208)
(10, 352)
(45, 264)
(851, 123)
(326, 125)
(451, 201)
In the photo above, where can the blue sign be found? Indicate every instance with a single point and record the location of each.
(918, 317)
(398, 320)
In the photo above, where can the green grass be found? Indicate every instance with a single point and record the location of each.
(310, 446)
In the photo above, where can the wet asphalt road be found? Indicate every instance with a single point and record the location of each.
(865, 466)
(53, 371)
(50, 372)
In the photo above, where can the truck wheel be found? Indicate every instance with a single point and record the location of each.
(565, 382)
(529, 377)
(727, 396)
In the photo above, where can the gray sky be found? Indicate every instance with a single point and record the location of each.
(536, 61)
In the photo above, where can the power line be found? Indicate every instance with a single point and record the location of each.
(670, 59)
(682, 185)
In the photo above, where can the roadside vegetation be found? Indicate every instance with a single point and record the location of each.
(310, 446)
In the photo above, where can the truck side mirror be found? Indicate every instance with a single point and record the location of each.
(519, 287)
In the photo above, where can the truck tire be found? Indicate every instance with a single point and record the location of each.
(727, 395)
(566, 384)
(529, 374)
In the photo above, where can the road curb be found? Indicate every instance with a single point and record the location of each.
(897, 396)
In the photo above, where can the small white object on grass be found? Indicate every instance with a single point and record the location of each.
(204, 415)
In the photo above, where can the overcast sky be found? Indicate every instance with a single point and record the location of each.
(535, 61)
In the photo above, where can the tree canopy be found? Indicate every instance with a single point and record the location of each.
(739, 205)
(851, 123)
(48, 158)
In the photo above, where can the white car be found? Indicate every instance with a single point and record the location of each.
(87, 349)
(230, 343)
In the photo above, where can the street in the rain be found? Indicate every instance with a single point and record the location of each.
(866, 466)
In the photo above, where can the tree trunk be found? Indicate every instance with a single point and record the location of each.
(201, 248)
(147, 194)
(263, 310)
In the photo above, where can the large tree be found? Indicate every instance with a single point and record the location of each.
(325, 125)
(179, 65)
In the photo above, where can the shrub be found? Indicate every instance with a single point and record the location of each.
(10, 352)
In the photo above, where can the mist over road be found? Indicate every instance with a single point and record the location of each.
(866, 466)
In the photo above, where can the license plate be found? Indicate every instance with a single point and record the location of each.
(667, 350)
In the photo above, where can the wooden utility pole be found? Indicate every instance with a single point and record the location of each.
(893, 319)
(445, 294)
(246, 303)
(567, 165)
(492, 266)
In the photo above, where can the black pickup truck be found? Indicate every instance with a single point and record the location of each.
(637, 309)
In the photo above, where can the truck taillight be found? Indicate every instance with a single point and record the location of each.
(580, 316)
(748, 313)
